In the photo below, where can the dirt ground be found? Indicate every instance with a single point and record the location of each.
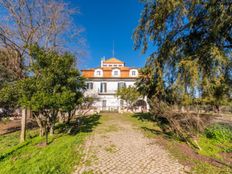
(10, 126)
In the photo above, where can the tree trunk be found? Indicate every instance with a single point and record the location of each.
(52, 129)
(69, 117)
(23, 125)
(41, 131)
(40, 124)
(61, 117)
(51, 121)
(46, 133)
(217, 109)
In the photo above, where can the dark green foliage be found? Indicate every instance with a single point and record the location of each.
(192, 50)
(9, 96)
(55, 82)
(145, 83)
(219, 132)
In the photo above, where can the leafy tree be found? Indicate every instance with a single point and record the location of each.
(145, 82)
(10, 71)
(191, 59)
(192, 46)
(8, 99)
(54, 84)
(129, 94)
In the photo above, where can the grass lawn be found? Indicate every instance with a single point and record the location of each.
(32, 157)
(178, 149)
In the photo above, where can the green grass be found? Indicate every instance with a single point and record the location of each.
(216, 140)
(213, 148)
(203, 167)
(59, 157)
(144, 122)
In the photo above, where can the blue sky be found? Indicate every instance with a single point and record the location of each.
(105, 21)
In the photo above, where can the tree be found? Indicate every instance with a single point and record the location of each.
(190, 62)
(129, 94)
(8, 99)
(54, 84)
(46, 23)
(9, 66)
(86, 104)
(145, 82)
(192, 42)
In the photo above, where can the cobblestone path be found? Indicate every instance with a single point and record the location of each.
(117, 147)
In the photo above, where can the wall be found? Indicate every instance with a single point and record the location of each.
(113, 102)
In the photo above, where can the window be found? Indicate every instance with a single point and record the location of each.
(133, 73)
(121, 85)
(103, 87)
(115, 73)
(98, 73)
(89, 85)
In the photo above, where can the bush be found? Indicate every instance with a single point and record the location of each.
(219, 132)
(182, 125)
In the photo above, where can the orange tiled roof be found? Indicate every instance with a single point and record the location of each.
(107, 72)
(113, 60)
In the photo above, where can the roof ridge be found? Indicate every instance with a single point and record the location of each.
(113, 59)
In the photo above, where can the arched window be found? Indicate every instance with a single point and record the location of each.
(98, 73)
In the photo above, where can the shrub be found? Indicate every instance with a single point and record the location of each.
(219, 132)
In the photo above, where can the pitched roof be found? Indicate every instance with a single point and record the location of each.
(113, 60)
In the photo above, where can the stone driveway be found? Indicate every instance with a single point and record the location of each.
(117, 147)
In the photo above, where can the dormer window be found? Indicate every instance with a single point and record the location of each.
(116, 72)
(133, 72)
(98, 73)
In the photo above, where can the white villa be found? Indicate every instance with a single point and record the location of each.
(103, 82)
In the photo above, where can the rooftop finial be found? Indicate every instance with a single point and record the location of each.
(113, 49)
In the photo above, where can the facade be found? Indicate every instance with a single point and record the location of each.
(104, 81)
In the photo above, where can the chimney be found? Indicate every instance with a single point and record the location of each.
(102, 60)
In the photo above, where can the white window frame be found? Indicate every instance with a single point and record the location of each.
(133, 71)
(118, 72)
(98, 73)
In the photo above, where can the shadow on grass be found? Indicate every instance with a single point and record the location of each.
(143, 116)
(150, 118)
(154, 131)
(82, 124)
(12, 150)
